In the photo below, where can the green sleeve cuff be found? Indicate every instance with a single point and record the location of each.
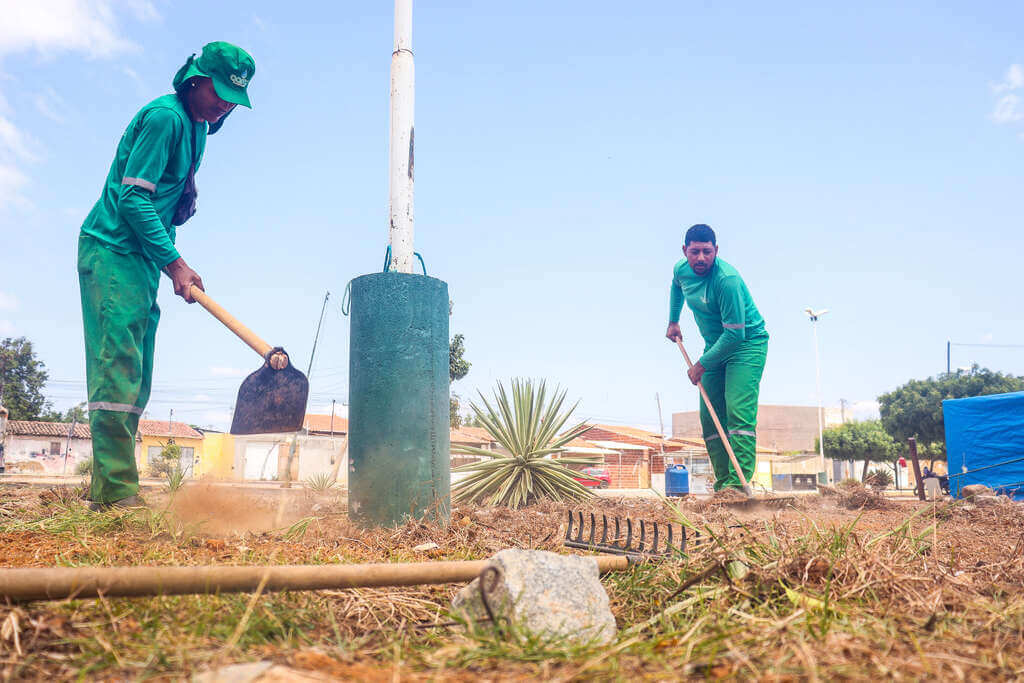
(675, 302)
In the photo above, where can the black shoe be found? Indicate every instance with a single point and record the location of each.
(129, 503)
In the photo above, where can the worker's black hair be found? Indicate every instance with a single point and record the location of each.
(700, 233)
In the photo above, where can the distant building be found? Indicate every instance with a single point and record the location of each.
(155, 435)
(45, 447)
(786, 429)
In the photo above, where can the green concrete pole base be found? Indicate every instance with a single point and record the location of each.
(399, 451)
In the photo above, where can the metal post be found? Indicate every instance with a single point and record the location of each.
(402, 141)
(948, 344)
(817, 374)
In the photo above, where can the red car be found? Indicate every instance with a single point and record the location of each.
(598, 478)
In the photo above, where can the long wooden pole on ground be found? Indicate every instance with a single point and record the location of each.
(62, 583)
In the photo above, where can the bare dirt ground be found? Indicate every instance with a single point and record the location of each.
(846, 587)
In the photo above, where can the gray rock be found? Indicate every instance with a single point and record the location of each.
(985, 501)
(551, 595)
(976, 490)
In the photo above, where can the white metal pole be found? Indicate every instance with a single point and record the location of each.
(402, 141)
(817, 373)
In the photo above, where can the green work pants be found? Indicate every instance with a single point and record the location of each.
(733, 388)
(120, 315)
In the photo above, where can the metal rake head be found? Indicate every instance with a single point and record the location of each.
(624, 537)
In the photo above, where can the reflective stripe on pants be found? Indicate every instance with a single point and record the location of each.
(733, 389)
(120, 316)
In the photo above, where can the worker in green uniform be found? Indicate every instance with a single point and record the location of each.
(128, 239)
(735, 346)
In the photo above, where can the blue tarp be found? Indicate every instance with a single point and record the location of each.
(985, 442)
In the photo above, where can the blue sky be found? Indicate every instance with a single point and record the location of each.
(864, 159)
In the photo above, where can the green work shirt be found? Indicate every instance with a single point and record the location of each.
(146, 180)
(722, 306)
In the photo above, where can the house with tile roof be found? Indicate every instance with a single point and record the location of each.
(32, 447)
(155, 435)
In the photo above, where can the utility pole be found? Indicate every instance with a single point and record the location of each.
(948, 345)
(814, 316)
(403, 138)
(170, 427)
(67, 451)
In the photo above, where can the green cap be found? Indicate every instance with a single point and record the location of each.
(228, 66)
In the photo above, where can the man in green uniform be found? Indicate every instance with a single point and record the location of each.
(128, 238)
(735, 345)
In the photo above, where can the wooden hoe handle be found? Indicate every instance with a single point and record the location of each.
(235, 325)
(718, 425)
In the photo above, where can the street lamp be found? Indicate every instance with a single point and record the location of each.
(814, 315)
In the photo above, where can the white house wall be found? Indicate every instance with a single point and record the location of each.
(34, 449)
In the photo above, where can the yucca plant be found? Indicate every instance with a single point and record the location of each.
(320, 482)
(529, 427)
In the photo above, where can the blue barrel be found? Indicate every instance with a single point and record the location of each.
(677, 481)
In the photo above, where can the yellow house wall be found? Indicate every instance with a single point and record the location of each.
(142, 450)
(218, 457)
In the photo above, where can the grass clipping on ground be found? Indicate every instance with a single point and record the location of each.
(819, 591)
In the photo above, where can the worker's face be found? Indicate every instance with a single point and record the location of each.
(205, 104)
(701, 256)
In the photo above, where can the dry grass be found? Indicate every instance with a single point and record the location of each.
(816, 591)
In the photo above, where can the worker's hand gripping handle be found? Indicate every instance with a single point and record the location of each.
(278, 360)
(718, 425)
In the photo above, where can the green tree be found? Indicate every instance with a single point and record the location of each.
(167, 461)
(22, 377)
(915, 408)
(77, 413)
(458, 367)
(865, 440)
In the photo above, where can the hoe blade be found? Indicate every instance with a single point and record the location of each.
(271, 400)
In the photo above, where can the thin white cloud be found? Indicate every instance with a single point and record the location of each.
(8, 302)
(6, 328)
(12, 185)
(14, 143)
(50, 104)
(1008, 110)
(1013, 80)
(228, 372)
(259, 23)
(142, 9)
(52, 28)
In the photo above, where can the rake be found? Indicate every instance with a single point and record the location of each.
(622, 536)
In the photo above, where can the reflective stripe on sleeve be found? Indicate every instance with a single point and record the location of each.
(730, 326)
(712, 437)
(115, 407)
(144, 184)
(742, 432)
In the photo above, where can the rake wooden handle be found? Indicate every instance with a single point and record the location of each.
(718, 425)
(235, 325)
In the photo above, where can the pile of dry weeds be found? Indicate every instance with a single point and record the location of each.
(854, 495)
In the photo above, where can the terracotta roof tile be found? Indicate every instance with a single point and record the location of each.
(159, 428)
(55, 429)
(322, 424)
(470, 436)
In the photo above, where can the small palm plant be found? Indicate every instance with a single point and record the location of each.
(528, 427)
